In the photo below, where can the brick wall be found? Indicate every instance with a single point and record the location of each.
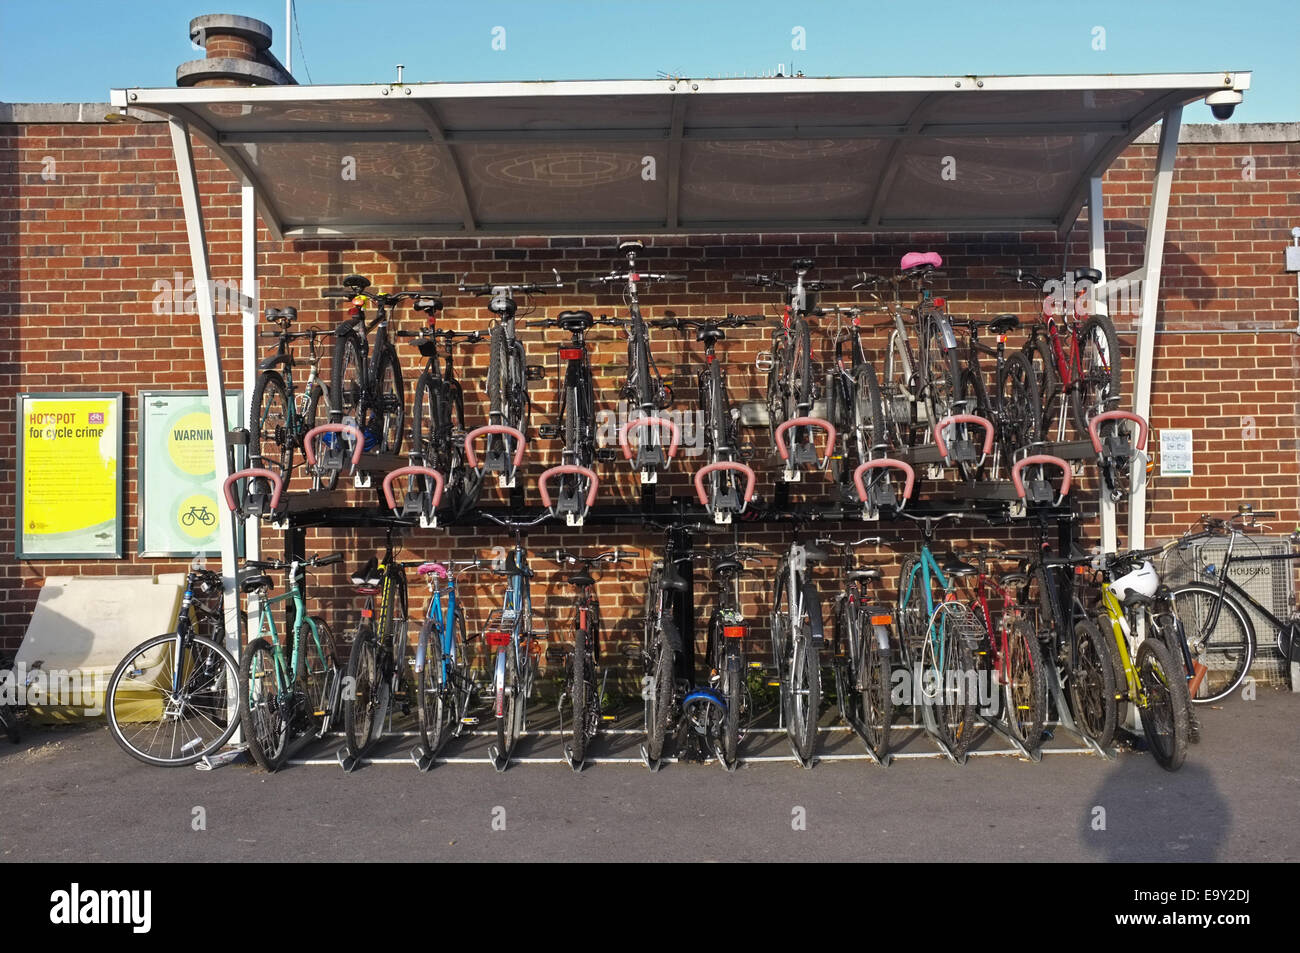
(86, 242)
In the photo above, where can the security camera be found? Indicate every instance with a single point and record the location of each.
(1223, 102)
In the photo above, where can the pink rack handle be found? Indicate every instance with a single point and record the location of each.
(1143, 427)
(884, 463)
(726, 465)
(674, 435)
(963, 419)
(438, 569)
(271, 475)
(914, 258)
(592, 479)
(1049, 460)
(309, 440)
(438, 483)
(490, 429)
(806, 422)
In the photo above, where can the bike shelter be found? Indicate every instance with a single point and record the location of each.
(679, 157)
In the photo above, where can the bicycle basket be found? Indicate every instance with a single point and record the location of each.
(958, 622)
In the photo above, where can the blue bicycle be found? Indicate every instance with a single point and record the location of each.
(443, 683)
(939, 640)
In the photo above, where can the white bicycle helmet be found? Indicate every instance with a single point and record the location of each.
(1144, 581)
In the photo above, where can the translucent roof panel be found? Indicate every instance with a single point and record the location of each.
(676, 155)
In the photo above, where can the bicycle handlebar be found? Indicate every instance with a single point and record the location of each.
(277, 564)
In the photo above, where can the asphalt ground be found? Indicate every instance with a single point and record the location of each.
(70, 794)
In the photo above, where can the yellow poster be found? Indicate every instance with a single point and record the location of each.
(70, 490)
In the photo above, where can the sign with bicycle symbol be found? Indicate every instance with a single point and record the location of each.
(178, 514)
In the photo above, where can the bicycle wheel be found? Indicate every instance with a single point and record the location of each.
(270, 435)
(898, 389)
(1165, 716)
(776, 387)
(799, 397)
(1226, 647)
(151, 725)
(424, 421)
(1019, 402)
(348, 377)
(1098, 389)
(581, 694)
(391, 401)
(876, 691)
(362, 690)
(510, 722)
(957, 691)
(940, 373)
(311, 417)
(1042, 362)
(801, 684)
(319, 671)
(265, 704)
(733, 693)
(441, 687)
(1025, 688)
(432, 442)
(1092, 686)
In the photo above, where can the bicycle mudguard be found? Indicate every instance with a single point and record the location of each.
(813, 603)
(273, 361)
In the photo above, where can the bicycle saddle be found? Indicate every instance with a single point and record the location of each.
(1004, 323)
(289, 314)
(581, 579)
(254, 583)
(816, 554)
(672, 580)
(437, 568)
(356, 283)
(367, 575)
(865, 572)
(802, 264)
(428, 305)
(914, 259)
(709, 334)
(953, 565)
(1010, 579)
(1091, 275)
(574, 320)
(728, 565)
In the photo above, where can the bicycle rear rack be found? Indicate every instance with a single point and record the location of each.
(723, 504)
(331, 461)
(255, 502)
(498, 460)
(803, 452)
(569, 503)
(649, 459)
(881, 493)
(420, 505)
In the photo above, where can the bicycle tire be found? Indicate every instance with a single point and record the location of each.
(348, 376)
(941, 373)
(877, 690)
(319, 669)
(510, 722)
(800, 397)
(392, 403)
(230, 670)
(441, 698)
(900, 389)
(1166, 714)
(1093, 690)
(331, 479)
(271, 438)
(776, 386)
(801, 674)
(1019, 403)
(1098, 390)
(361, 699)
(1025, 692)
(263, 717)
(1042, 361)
(1196, 601)
(579, 695)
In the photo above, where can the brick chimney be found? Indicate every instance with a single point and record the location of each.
(238, 54)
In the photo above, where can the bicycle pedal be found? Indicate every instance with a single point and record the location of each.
(609, 717)
(773, 683)
(470, 722)
(549, 432)
(534, 372)
(756, 665)
(606, 454)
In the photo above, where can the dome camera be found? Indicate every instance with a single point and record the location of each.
(1223, 102)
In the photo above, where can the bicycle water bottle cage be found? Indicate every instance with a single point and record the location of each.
(802, 452)
(501, 458)
(571, 503)
(649, 458)
(1116, 443)
(881, 493)
(1039, 490)
(261, 497)
(417, 504)
(335, 440)
(724, 501)
(962, 449)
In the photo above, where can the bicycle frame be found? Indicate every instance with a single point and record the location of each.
(516, 608)
(439, 623)
(927, 567)
(267, 629)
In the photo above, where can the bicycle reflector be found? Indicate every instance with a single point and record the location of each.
(733, 631)
(572, 353)
(882, 619)
(497, 640)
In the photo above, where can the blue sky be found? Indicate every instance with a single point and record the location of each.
(75, 50)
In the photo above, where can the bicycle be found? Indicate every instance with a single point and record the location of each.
(377, 671)
(791, 390)
(171, 700)
(577, 420)
(1154, 673)
(726, 494)
(938, 637)
(281, 416)
(438, 414)
(1010, 646)
(797, 635)
(582, 660)
(200, 514)
(1223, 644)
(728, 667)
(443, 683)
(921, 386)
(645, 390)
(862, 652)
(510, 633)
(286, 692)
(1014, 407)
(366, 379)
(854, 402)
(507, 381)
